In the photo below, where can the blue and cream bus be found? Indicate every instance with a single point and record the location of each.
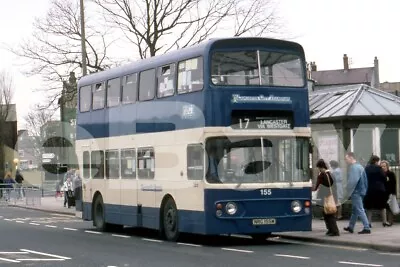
(212, 139)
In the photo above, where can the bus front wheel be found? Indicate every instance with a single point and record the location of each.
(170, 221)
(99, 215)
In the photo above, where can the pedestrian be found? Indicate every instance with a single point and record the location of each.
(327, 196)
(19, 179)
(68, 191)
(391, 189)
(338, 185)
(377, 195)
(357, 185)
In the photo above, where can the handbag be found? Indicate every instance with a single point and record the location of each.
(329, 201)
(393, 204)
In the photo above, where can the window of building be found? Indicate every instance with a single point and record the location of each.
(195, 162)
(21, 153)
(390, 146)
(129, 89)
(112, 164)
(128, 164)
(86, 165)
(113, 92)
(85, 98)
(190, 75)
(97, 164)
(166, 81)
(147, 85)
(146, 163)
(99, 94)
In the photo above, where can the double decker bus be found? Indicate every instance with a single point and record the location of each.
(211, 139)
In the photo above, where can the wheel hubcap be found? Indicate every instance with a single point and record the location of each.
(170, 220)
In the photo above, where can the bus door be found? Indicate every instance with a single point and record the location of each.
(113, 186)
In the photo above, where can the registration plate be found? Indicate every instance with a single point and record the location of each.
(264, 221)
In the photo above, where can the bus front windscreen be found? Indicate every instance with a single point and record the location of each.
(257, 68)
(257, 160)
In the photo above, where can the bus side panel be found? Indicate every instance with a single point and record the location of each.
(252, 205)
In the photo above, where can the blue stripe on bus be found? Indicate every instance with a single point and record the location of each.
(250, 203)
(153, 116)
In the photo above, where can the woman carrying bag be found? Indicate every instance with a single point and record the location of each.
(325, 194)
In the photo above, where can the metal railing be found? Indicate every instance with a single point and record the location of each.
(16, 194)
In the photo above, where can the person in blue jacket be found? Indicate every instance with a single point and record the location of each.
(357, 185)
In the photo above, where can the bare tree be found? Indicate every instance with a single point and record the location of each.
(156, 26)
(35, 122)
(55, 47)
(6, 96)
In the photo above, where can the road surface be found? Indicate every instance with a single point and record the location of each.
(33, 238)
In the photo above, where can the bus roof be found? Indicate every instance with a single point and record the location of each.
(177, 55)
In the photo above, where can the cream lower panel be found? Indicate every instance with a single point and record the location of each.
(113, 195)
(129, 194)
(146, 193)
(188, 195)
(99, 185)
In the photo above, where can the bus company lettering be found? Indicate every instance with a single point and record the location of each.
(237, 98)
(153, 187)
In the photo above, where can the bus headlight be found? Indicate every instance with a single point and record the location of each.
(231, 208)
(296, 206)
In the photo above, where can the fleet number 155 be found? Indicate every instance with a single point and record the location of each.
(265, 192)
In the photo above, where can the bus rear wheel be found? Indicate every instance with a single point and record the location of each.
(261, 237)
(170, 221)
(99, 214)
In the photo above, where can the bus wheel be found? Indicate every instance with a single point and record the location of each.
(261, 237)
(170, 221)
(99, 215)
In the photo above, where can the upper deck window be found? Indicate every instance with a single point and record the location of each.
(190, 75)
(129, 89)
(99, 94)
(85, 98)
(147, 86)
(166, 81)
(113, 92)
(254, 68)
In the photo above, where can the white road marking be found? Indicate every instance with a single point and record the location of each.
(389, 253)
(187, 244)
(123, 236)
(152, 240)
(50, 226)
(40, 260)
(292, 256)
(238, 250)
(16, 252)
(8, 220)
(2, 259)
(360, 264)
(45, 254)
(19, 222)
(93, 232)
(34, 224)
(317, 244)
(70, 229)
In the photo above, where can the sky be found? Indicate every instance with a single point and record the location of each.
(327, 29)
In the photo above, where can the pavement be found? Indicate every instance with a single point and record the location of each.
(35, 238)
(382, 238)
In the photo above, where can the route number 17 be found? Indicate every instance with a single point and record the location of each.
(244, 122)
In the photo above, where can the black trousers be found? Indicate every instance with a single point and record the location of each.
(330, 222)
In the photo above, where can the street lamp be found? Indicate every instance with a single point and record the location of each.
(83, 39)
(16, 163)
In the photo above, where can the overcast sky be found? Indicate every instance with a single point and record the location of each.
(327, 29)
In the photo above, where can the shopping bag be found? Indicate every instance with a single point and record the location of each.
(393, 204)
(329, 205)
